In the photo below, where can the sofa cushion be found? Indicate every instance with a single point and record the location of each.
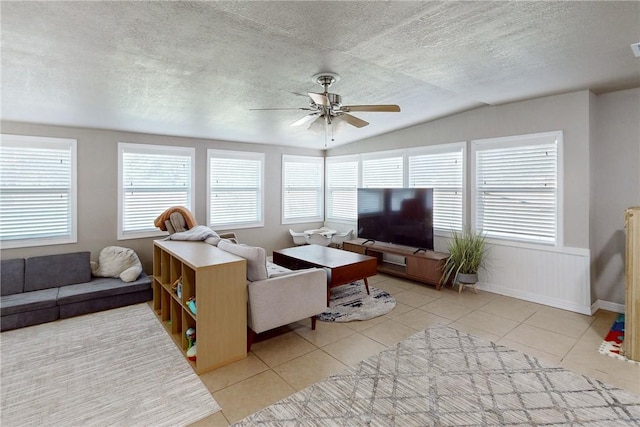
(50, 271)
(28, 318)
(11, 276)
(28, 301)
(256, 258)
(100, 288)
(104, 303)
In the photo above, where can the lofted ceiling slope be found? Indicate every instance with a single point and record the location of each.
(197, 69)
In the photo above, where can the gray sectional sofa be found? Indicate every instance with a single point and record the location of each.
(45, 288)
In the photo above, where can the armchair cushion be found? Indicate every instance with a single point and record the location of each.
(256, 258)
(275, 270)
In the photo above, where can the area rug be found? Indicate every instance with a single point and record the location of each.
(351, 302)
(612, 343)
(113, 368)
(444, 377)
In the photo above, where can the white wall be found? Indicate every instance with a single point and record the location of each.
(98, 192)
(616, 186)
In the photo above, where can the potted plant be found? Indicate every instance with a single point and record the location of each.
(467, 252)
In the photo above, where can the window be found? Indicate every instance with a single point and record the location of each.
(302, 193)
(383, 170)
(151, 179)
(37, 191)
(441, 167)
(235, 189)
(516, 182)
(342, 185)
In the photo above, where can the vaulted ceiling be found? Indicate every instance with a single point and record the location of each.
(197, 69)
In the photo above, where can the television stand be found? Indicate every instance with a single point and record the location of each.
(419, 264)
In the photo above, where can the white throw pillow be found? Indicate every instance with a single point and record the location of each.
(256, 258)
(116, 261)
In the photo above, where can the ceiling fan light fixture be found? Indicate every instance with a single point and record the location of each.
(317, 126)
(326, 114)
(339, 124)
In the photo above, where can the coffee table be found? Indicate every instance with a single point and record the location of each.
(342, 266)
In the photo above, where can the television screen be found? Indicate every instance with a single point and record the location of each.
(403, 216)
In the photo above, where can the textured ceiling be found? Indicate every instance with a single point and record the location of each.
(197, 68)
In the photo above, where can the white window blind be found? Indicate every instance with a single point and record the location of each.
(342, 186)
(302, 194)
(152, 179)
(383, 172)
(442, 169)
(516, 187)
(37, 191)
(235, 189)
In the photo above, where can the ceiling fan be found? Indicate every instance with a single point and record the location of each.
(326, 109)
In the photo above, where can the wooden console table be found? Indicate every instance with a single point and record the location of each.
(425, 267)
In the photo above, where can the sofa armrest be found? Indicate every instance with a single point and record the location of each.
(285, 299)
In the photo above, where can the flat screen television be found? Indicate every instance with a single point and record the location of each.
(403, 216)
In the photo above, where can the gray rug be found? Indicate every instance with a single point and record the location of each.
(114, 368)
(443, 377)
(351, 302)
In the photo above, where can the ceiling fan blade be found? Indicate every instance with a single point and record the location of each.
(377, 108)
(353, 120)
(275, 109)
(320, 99)
(306, 119)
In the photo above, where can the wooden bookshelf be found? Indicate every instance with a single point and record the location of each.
(217, 279)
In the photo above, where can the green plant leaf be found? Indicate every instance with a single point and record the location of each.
(467, 251)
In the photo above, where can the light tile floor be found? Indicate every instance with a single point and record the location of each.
(284, 364)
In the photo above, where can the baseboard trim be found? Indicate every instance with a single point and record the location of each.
(538, 299)
(607, 305)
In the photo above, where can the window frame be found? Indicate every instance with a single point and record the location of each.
(232, 154)
(150, 149)
(35, 141)
(320, 214)
(522, 141)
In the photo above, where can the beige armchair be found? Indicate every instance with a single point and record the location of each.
(278, 301)
(277, 296)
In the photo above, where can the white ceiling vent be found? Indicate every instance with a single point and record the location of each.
(636, 49)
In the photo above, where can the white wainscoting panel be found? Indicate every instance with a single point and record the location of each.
(558, 278)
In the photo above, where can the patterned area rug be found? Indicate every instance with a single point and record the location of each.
(113, 368)
(441, 376)
(351, 302)
(613, 341)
